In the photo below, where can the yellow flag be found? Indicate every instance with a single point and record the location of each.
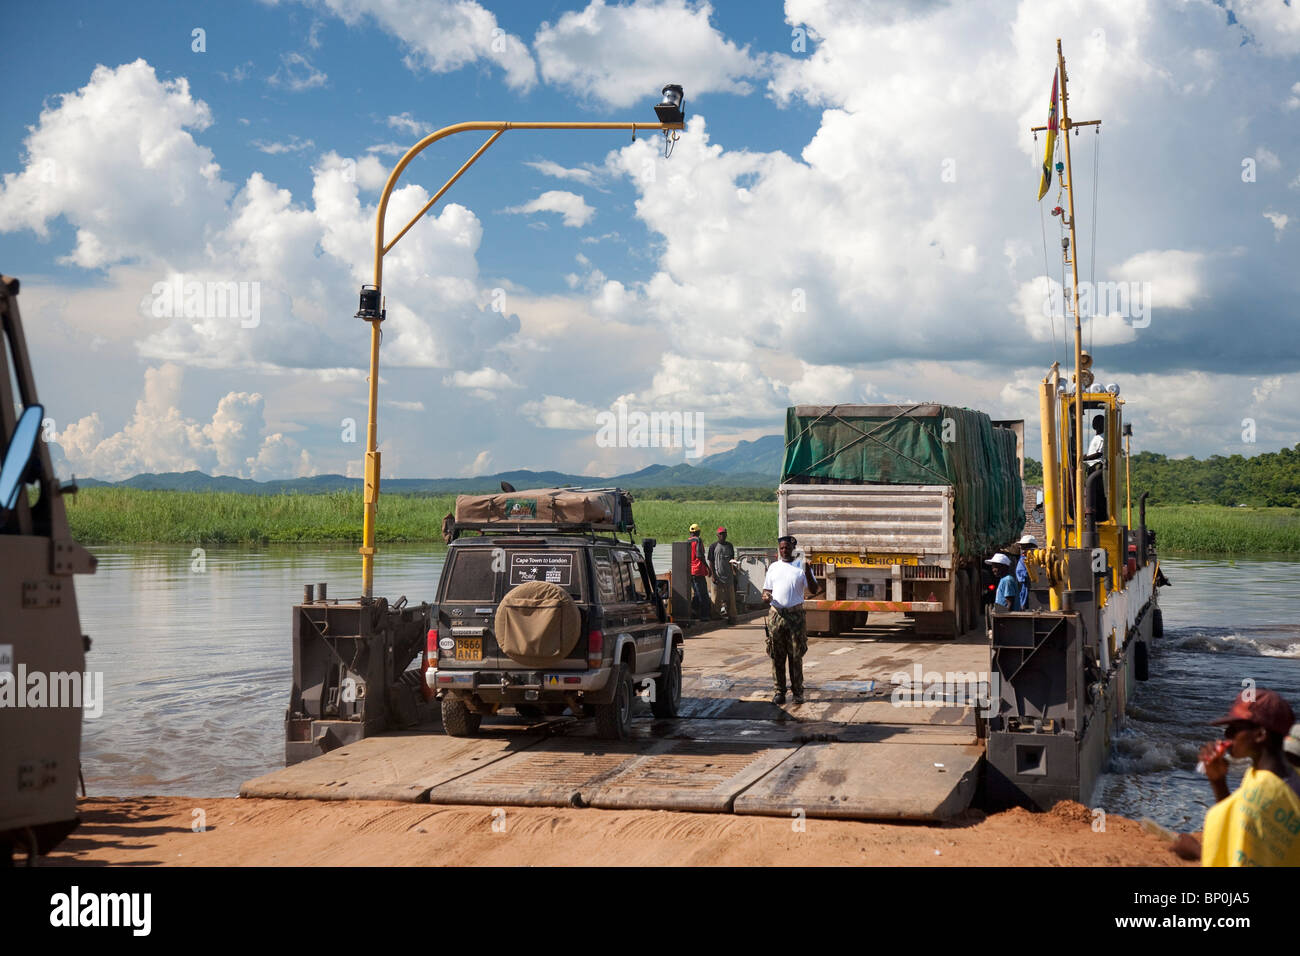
(1046, 182)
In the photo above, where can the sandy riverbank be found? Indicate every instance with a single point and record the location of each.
(239, 832)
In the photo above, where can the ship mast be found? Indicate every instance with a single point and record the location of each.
(1066, 125)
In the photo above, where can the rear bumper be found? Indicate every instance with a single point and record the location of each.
(511, 685)
(899, 607)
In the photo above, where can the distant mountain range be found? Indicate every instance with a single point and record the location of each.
(751, 464)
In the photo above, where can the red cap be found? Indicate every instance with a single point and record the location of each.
(1267, 710)
(722, 531)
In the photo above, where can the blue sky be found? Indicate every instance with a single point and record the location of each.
(849, 217)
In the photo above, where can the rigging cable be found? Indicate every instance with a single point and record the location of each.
(1047, 282)
(1092, 268)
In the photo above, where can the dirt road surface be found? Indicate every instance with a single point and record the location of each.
(183, 831)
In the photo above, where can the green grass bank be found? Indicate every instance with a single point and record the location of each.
(126, 516)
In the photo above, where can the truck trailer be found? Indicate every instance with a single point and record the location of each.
(897, 505)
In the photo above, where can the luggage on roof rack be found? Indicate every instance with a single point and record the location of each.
(562, 509)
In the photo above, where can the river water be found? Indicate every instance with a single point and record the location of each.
(196, 661)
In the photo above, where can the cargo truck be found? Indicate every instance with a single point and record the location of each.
(896, 506)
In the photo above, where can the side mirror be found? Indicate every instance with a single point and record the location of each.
(17, 457)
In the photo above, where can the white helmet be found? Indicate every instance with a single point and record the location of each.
(1030, 540)
(999, 558)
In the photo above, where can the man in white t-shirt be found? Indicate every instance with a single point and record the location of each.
(1095, 459)
(784, 588)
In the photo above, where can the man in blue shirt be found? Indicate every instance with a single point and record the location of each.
(1007, 597)
(1022, 572)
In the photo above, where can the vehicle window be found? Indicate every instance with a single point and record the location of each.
(470, 577)
(556, 567)
(638, 582)
(605, 577)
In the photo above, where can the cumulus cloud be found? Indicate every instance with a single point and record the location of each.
(556, 411)
(117, 160)
(158, 438)
(622, 55)
(572, 207)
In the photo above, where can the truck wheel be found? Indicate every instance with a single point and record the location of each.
(668, 687)
(457, 719)
(614, 720)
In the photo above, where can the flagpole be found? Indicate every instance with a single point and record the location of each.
(1073, 259)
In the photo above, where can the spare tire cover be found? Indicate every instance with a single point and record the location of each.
(537, 624)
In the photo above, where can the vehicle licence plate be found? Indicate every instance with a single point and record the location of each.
(851, 560)
(469, 648)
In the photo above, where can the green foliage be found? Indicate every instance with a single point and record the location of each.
(124, 515)
(1269, 479)
(128, 515)
(1033, 472)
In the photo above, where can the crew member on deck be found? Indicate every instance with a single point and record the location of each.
(1096, 457)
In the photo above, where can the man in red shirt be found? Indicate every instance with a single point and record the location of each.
(700, 574)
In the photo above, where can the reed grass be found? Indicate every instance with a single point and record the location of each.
(128, 515)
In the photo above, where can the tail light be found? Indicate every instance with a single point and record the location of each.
(595, 647)
(428, 657)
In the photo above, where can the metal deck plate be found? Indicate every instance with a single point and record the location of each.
(868, 781)
(397, 766)
(692, 775)
(555, 776)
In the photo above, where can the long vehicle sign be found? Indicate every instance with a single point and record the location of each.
(851, 560)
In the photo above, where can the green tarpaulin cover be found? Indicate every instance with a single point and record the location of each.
(915, 445)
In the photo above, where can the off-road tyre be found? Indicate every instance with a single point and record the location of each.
(614, 719)
(668, 687)
(458, 720)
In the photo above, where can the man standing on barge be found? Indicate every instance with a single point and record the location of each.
(784, 589)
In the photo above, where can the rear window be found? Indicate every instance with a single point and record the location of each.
(560, 567)
(470, 577)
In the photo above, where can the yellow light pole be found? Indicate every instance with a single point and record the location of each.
(372, 309)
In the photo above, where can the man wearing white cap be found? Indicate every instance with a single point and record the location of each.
(1007, 597)
(1022, 572)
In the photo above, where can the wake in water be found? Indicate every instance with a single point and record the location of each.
(1244, 641)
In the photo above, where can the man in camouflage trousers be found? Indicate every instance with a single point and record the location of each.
(784, 589)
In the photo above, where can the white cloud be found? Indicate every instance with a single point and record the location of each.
(444, 35)
(117, 160)
(482, 462)
(1293, 101)
(1279, 221)
(578, 174)
(1176, 276)
(1267, 159)
(572, 207)
(158, 438)
(296, 74)
(556, 411)
(409, 124)
(293, 145)
(623, 55)
(484, 379)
